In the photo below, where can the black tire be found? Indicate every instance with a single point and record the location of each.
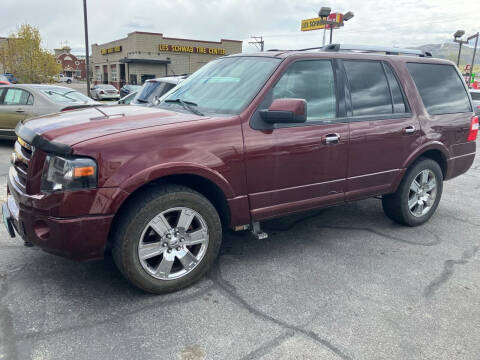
(396, 206)
(135, 218)
(69, 81)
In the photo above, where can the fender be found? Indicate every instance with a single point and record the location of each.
(176, 168)
(432, 145)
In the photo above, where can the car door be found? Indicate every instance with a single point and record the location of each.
(15, 105)
(383, 130)
(293, 167)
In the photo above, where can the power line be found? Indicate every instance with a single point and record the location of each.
(258, 42)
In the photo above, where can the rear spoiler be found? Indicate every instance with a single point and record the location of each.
(38, 141)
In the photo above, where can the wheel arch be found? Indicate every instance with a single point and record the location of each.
(435, 151)
(203, 185)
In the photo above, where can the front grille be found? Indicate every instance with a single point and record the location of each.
(21, 161)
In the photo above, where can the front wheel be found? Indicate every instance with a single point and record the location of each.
(417, 196)
(167, 239)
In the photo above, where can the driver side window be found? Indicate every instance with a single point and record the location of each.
(312, 80)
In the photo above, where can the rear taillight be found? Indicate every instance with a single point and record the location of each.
(472, 134)
(102, 92)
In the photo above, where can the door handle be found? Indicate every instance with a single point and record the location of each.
(332, 139)
(20, 110)
(409, 130)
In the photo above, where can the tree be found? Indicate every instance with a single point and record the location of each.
(24, 56)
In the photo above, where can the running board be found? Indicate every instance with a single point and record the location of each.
(257, 231)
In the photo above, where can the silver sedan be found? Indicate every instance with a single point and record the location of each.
(104, 92)
(21, 102)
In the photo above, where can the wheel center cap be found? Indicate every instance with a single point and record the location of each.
(173, 241)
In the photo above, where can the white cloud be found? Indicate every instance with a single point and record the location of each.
(388, 22)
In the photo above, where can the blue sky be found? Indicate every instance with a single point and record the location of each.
(388, 22)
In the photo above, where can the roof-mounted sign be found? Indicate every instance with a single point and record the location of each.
(192, 49)
(111, 50)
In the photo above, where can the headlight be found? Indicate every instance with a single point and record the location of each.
(63, 174)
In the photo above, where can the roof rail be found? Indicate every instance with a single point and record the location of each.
(370, 48)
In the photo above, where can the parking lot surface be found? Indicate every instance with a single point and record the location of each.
(339, 283)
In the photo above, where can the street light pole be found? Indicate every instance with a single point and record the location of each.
(459, 52)
(473, 59)
(87, 57)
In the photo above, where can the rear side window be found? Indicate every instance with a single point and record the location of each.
(17, 97)
(369, 90)
(475, 95)
(397, 95)
(440, 87)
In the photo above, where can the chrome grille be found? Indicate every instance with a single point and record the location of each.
(20, 161)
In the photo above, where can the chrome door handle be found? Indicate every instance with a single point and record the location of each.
(409, 130)
(332, 139)
(19, 110)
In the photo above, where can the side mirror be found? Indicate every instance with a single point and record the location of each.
(92, 88)
(285, 111)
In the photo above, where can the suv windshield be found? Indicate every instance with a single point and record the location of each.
(223, 86)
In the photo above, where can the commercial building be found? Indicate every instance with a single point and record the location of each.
(144, 55)
(72, 65)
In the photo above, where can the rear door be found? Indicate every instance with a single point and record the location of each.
(383, 131)
(15, 105)
(292, 167)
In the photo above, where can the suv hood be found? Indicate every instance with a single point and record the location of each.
(59, 132)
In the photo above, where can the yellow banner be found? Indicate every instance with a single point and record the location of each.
(311, 24)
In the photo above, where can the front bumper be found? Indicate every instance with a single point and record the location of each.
(79, 238)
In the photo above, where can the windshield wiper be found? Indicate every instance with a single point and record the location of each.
(186, 105)
(142, 101)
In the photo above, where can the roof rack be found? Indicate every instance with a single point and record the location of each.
(372, 49)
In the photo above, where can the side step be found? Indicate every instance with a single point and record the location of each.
(257, 231)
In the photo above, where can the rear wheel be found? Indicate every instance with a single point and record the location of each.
(167, 239)
(417, 196)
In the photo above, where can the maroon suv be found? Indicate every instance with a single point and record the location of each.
(246, 138)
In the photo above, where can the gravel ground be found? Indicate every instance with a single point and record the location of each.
(340, 283)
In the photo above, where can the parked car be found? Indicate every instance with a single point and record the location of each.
(127, 89)
(126, 100)
(11, 78)
(104, 92)
(21, 102)
(475, 94)
(4, 80)
(63, 78)
(246, 138)
(153, 89)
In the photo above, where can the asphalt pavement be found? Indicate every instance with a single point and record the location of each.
(339, 283)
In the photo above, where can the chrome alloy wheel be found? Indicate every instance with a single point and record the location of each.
(173, 243)
(422, 194)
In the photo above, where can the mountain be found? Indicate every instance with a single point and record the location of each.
(449, 51)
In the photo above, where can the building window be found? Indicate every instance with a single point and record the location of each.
(78, 73)
(98, 73)
(113, 72)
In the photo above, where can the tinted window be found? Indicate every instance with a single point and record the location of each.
(397, 96)
(440, 87)
(475, 95)
(17, 97)
(368, 88)
(312, 81)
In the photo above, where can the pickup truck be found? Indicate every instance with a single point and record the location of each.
(63, 78)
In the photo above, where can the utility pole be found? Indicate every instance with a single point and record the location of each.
(473, 59)
(87, 50)
(258, 42)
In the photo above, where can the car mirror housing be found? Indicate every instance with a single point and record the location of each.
(285, 111)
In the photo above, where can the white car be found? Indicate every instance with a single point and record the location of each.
(104, 92)
(63, 78)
